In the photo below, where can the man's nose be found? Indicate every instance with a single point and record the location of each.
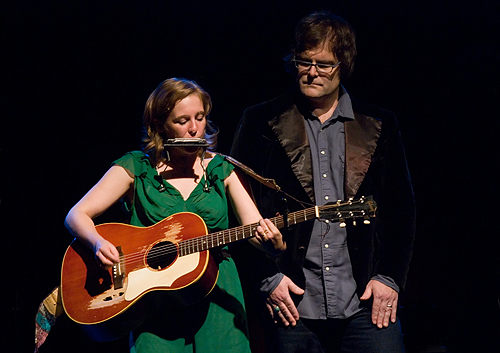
(312, 71)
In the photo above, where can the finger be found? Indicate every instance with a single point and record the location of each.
(270, 225)
(270, 309)
(394, 311)
(375, 311)
(263, 230)
(103, 261)
(285, 316)
(386, 317)
(379, 320)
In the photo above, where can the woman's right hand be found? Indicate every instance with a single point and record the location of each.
(106, 253)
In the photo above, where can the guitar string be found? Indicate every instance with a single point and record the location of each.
(211, 240)
(197, 244)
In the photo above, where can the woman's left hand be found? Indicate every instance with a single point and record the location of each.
(270, 237)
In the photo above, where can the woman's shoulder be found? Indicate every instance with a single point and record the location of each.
(218, 164)
(137, 162)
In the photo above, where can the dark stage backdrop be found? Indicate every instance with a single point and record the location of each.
(76, 75)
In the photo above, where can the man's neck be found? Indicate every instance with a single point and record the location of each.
(324, 107)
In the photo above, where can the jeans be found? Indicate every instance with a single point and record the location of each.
(356, 334)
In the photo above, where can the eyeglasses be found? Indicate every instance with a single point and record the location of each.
(321, 68)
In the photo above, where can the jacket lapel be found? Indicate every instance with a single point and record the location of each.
(291, 132)
(361, 137)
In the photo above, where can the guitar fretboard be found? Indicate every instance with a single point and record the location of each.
(232, 235)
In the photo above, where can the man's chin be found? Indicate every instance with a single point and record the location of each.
(311, 92)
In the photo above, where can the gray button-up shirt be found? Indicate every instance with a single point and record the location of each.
(331, 290)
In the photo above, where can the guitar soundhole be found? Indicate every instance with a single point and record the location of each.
(161, 255)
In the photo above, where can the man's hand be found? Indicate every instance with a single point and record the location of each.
(280, 303)
(385, 303)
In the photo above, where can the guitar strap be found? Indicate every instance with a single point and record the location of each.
(270, 183)
(48, 311)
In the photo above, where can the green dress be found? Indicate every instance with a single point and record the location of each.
(218, 322)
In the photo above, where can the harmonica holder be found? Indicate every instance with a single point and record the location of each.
(186, 142)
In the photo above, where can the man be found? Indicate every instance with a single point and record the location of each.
(335, 289)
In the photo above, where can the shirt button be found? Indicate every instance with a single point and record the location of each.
(327, 197)
(322, 152)
(324, 175)
(326, 245)
(327, 268)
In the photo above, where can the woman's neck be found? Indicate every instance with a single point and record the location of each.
(181, 165)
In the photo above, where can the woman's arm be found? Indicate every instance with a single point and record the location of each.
(267, 236)
(79, 221)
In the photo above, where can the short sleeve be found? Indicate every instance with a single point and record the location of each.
(136, 162)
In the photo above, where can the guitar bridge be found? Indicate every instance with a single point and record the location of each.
(119, 271)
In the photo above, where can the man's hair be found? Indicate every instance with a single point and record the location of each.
(323, 27)
(159, 106)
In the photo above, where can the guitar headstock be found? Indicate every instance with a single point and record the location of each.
(362, 208)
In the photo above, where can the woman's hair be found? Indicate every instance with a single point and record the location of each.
(324, 27)
(159, 106)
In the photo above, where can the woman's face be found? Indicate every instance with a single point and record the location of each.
(187, 119)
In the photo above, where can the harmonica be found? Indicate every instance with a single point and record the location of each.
(186, 142)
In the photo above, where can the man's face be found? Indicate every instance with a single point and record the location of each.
(317, 85)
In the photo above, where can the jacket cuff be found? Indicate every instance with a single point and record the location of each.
(268, 285)
(388, 281)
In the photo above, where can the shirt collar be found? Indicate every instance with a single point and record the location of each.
(343, 109)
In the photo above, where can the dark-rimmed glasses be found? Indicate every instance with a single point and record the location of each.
(320, 67)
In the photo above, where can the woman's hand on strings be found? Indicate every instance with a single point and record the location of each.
(106, 253)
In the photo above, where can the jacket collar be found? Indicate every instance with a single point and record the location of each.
(361, 137)
(291, 132)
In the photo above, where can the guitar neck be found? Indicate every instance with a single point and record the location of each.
(209, 241)
(364, 207)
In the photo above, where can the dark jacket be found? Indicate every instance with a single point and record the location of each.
(272, 140)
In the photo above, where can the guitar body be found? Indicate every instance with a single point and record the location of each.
(150, 261)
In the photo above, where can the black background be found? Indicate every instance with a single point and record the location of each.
(76, 75)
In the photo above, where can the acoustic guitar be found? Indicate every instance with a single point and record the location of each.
(172, 255)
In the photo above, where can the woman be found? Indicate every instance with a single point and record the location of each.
(159, 182)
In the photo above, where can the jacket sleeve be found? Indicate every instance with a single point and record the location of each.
(388, 180)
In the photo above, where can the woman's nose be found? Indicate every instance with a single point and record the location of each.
(193, 128)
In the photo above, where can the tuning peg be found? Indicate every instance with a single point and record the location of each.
(342, 223)
(366, 221)
(354, 223)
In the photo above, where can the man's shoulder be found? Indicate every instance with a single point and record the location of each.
(364, 109)
(272, 107)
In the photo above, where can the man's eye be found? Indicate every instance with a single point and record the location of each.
(323, 66)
